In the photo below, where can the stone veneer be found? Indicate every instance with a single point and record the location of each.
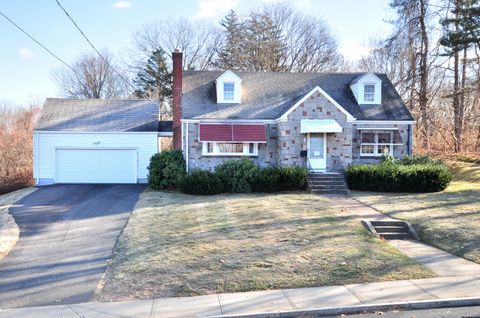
(285, 142)
(291, 141)
(266, 152)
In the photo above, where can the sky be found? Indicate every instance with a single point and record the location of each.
(26, 69)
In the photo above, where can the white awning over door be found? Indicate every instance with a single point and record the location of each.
(319, 126)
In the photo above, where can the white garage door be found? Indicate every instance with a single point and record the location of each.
(96, 166)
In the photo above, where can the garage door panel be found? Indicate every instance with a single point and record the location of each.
(95, 166)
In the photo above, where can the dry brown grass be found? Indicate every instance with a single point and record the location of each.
(181, 245)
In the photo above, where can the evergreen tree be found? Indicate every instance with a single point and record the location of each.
(154, 81)
(232, 54)
(264, 43)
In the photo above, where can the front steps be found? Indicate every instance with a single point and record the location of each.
(327, 183)
(391, 229)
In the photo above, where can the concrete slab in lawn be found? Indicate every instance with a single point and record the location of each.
(254, 302)
(440, 262)
(330, 296)
(389, 292)
(199, 306)
(451, 287)
(137, 308)
(36, 312)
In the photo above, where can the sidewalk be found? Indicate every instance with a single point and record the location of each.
(458, 283)
(274, 301)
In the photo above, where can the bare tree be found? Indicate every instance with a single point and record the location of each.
(92, 77)
(197, 41)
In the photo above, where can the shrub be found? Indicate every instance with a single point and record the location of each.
(200, 182)
(237, 175)
(418, 159)
(283, 178)
(429, 177)
(166, 169)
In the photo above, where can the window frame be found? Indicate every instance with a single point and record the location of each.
(370, 94)
(216, 152)
(376, 145)
(229, 91)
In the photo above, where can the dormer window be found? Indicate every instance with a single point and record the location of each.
(229, 88)
(369, 92)
(367, 89)
(228, 91)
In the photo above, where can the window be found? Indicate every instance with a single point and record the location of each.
(369, 92)
(228, 91)
(229, 149)
(376, 143)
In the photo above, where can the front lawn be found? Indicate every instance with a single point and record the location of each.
(181, 245)
(449, 219)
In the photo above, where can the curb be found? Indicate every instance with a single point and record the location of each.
(366, 308)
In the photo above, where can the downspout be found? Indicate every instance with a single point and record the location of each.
(409, 141)
(186, 148)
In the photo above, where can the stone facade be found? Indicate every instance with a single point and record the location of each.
(267, 153)
(291, 141)
(285, 141)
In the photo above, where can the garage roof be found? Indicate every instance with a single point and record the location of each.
(98, 115)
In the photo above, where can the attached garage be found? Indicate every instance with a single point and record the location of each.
(95, 165)
(95, 141)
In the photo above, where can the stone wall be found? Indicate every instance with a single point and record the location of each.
(266, 152)
(291, 141)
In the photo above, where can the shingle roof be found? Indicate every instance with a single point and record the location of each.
(98, 115)
(267, 95)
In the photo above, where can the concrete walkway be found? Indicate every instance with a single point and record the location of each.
(274, 301)
(440, 262)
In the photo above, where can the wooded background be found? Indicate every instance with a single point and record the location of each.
(432, 57)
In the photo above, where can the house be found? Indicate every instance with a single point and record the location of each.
(95, 141)
(320, 121)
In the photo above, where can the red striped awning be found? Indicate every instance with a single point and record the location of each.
(233, 132)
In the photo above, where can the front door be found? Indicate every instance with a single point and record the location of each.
(317, 151)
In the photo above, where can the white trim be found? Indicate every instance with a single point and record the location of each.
(324, 151)
(386, 122)
(380, 128)
(321, 91)
(376, 145)
(216, 153)
(96, 132)
(165, 134)
(186, 149)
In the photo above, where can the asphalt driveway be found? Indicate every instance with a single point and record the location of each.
(67, 234)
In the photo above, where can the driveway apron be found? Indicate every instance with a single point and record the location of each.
(67, 235)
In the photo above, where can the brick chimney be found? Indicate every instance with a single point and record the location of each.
(177, 58)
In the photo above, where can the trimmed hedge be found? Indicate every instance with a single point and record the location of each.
(397, 177)
(166, 169)
(237, 175)
(201, 182)
(243, 176)
(283, 178)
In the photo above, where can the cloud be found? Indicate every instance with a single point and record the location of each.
(26, 53)
(354, 51)
(121, 5)
(214, 8)
(300, 4)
